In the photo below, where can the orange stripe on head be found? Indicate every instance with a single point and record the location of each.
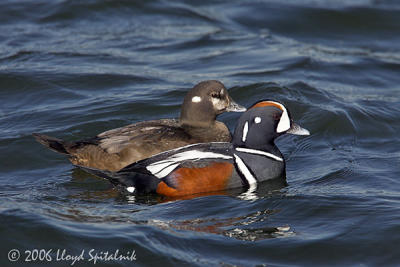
(267, 103)
(197, 180)
(284, 122)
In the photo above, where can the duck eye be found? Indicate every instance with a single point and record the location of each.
(216, 95)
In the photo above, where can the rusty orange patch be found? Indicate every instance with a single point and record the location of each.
(267, 103)
(197, 180)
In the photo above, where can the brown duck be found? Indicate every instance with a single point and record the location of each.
(114, 149)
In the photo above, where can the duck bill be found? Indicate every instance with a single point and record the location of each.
(234, 107)
(297, 130)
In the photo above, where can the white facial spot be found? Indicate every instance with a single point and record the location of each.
(284, 122)
(245, 131)
(257, 120)
(217, 103)
(130, 189)
(196, 99)
(214, 100)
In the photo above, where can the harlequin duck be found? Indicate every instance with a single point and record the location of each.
(249, 159)
(117, 148)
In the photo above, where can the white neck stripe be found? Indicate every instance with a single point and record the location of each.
(259, 152)
(247, 174)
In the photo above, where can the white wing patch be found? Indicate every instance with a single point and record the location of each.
(165, 170)
(259, 152)
(162, 168)
(245, 131)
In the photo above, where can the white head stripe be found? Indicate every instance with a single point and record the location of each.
(245, 171)
(245, 131)
(259, 152)
(257, 119)
(284, 122)
(196, 99)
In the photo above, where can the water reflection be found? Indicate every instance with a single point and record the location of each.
(125, 208)
(235, 227)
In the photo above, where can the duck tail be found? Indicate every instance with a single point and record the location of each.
(108, 175)
(53, 143)
(133, 182)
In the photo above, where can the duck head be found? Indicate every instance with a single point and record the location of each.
(262, 123)
(205, 101)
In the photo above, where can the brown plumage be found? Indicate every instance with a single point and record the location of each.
(114, 149)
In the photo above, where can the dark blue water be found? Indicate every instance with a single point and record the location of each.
(72, 69)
